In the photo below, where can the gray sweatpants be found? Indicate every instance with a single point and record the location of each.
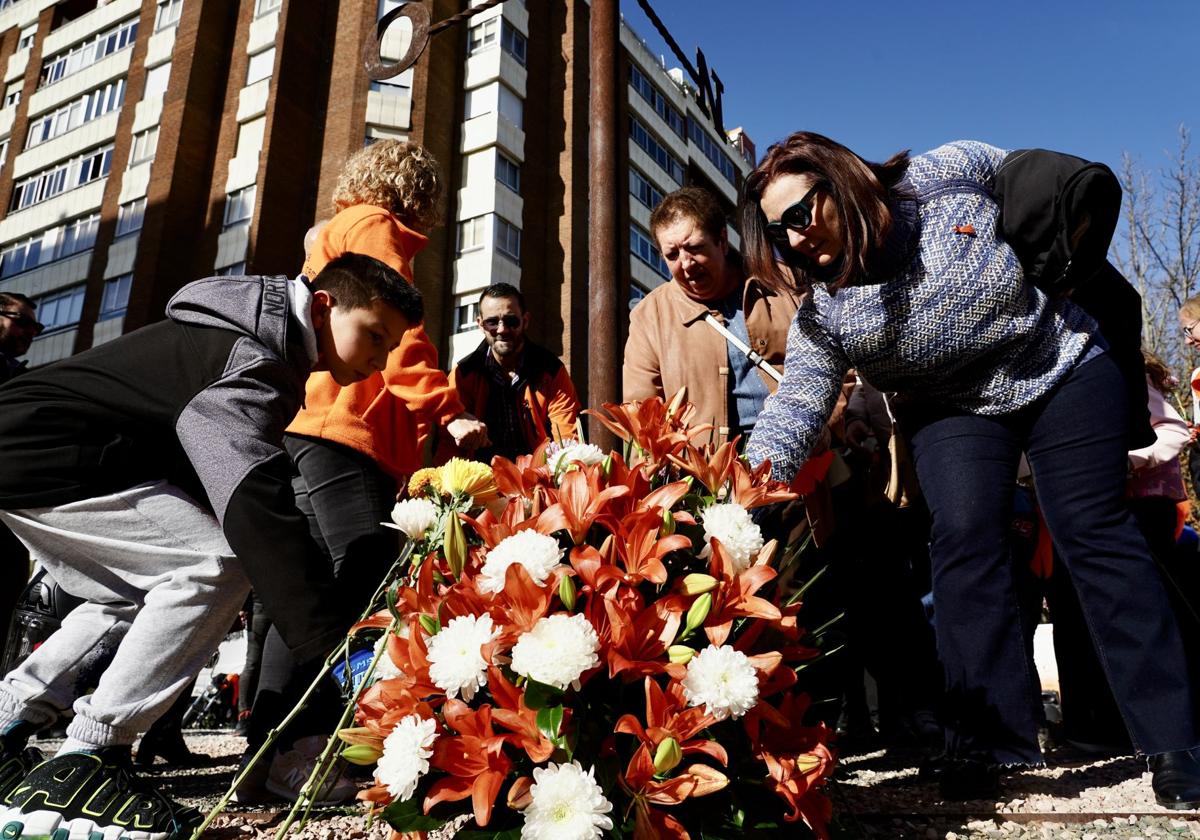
(153, 565)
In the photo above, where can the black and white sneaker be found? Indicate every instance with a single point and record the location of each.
(93, 795)
(14, 767)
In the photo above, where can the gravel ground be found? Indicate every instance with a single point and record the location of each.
(875, 794)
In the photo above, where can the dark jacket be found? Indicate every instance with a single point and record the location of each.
(10, 367)
(549, 405)
(200, 399)
(1058, 212)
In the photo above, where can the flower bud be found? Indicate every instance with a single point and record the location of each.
(361, 754)
(606, 465)
(667, 756)
(454, 545)
(566, 592)
(697, 584)
(668, 526)
(680, 654)
(699, 611)
(519, 794)
(430, 624)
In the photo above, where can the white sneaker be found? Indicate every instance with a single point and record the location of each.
(290, 771)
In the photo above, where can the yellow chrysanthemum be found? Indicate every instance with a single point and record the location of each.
(469, 478)
(429, 475)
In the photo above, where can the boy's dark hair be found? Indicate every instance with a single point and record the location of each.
(356, 281)
(504, 290)
(10, 298)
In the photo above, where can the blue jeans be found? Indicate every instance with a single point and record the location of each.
(1074, 438)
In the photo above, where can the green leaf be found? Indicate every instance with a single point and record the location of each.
(539, 695)
(549, 722)
(407, 816)
(393, 595)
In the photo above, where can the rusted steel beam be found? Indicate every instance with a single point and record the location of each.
(604, 258)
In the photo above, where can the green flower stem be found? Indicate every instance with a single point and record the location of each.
(340, 651)
(316, 780)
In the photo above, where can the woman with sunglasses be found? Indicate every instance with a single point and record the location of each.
(910, 286)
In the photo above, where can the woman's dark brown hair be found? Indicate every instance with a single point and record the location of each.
(1159, 374)
(858, 189)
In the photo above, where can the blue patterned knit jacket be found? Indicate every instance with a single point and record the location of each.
(956, 323)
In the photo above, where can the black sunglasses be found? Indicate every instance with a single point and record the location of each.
(493, 323)
(23, 320)
(797, 217)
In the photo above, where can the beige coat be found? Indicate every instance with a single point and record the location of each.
(670, 346)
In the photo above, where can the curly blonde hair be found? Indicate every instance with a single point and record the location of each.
(401, 177)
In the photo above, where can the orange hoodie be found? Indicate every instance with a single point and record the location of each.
(389, 415)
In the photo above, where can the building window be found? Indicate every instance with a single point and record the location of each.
(12, 95)
(61, 309)
(513, 42)
(116, 297)
(88, 52)
(482, 35)
(465, 315)
(144, 144)
(479, 101)
(646, 251)
(75, 172)
(260, 66)
(130, 216)
(512, 107)
(508, 239)
(237, 269)
(712, 150)
(168, 14)
(48, 245)
(636, 295)
(508, 172)
(658, 101)
(641, 189)
(86, 108)
(28, 36)
(156, 81)
(650, 145)
(265, 6)
(239, 206)
(3, 152)
(470, 234)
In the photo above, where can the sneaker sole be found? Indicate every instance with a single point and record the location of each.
(288, 794)
(49, 825)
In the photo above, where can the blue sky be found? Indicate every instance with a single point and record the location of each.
(1092, 77)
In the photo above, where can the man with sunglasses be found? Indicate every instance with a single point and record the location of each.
(521, 390)
(18, 328)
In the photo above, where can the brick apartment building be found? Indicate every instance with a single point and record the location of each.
(146, 143)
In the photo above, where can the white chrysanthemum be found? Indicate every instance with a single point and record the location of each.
(739, 536)
(723, 680)
(567, 804)
(415, 517)
(557, 650)
(456, 662)
(405, 758)
(385, 668)
(584, 453)
(538, 553)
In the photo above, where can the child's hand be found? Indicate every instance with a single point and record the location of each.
(468, 433)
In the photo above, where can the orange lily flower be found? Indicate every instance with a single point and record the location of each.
(695, 781)
(734, 596)
(638, 643)
(580, 504)
(655, 429)
(754, 488)
(641, 549)
(514, 715)
(474, 759)
(669, 716)
(798, 760)
(711, 470)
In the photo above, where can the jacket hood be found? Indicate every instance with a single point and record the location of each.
(258, 307)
